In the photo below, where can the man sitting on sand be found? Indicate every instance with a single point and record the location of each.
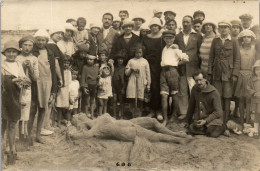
(108, 127)
(205, 108)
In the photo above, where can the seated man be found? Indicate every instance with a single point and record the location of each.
(205, 108)
(108, 127)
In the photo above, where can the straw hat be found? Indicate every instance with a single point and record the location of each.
(96, 25)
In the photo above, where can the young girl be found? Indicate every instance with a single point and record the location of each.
(11, 70)
(89, 84)
(118, 83)
(248, 57)
(74, 93)
(139, 77)
(62, 101)
(105, 87)
(254, 91)
(30, 65)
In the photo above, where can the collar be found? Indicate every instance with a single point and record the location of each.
(106, 29)
(227, 38)
(128, 37)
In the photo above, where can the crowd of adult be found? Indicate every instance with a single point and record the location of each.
(190, 73)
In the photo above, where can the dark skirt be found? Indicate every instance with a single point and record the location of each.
(11, 109)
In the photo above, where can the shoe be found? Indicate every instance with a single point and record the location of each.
(46, 132)
(182, 117)
(159, 117)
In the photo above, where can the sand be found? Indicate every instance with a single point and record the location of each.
(203, 153)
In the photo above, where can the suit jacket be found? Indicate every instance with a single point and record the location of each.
(192, 50)
(120, 44)
(107, 42)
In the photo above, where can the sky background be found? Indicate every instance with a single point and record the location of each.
(28, 14)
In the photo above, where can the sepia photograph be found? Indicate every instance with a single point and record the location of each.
(138, 85)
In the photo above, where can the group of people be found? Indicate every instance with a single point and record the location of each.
(189, 74)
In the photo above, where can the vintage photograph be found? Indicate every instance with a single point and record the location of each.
(140, 85)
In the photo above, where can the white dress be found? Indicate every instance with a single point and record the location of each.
(62, 100)
(74, 93)
(105, 88)
(144, 77)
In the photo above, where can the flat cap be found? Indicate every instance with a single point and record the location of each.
(224, 23)
(169, 33)
(235, 23)
(246, 16)
(169, 11)
(198, 12)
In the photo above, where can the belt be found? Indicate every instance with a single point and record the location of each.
(168, 67)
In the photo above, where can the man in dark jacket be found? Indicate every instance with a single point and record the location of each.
(205, 108)
(189, 42)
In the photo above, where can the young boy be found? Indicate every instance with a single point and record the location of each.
(89, 78)
(224, 65)
(169, 79)
(81, 36)
(118, 83)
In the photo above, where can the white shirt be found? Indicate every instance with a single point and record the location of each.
(186, 36)
(224, 39)
(105, 32)
(74, 88)
(171, 57)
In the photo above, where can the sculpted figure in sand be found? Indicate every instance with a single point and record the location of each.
(108, 127)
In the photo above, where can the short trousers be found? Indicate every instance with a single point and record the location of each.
(224, 88)
(92, 88)
(169, 80)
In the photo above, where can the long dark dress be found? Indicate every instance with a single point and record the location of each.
(153, 54)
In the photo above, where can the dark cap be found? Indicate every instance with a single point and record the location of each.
(169, 33)
(198, 12)
(169, 11)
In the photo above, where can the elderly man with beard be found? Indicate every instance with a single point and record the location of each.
(205, 108)
(106, 34)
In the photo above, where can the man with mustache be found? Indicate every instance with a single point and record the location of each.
(205, 108)
(189, 42)
(106, 34)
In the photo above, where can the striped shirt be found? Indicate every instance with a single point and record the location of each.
(205, 50)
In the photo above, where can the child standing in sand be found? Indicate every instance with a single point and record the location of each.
(248, 58)
(11, 70)
(88, 84)
(62, 101)
(139, 78)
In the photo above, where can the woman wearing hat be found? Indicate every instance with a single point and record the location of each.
(138, 21)
(46, 83)
(30, 64)
(66, 45)
(56, 35)
(154, 44)
(125, 41)
(11, 104)
(93, 41)
(144, 31)
(209, 31)
(248, 57)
